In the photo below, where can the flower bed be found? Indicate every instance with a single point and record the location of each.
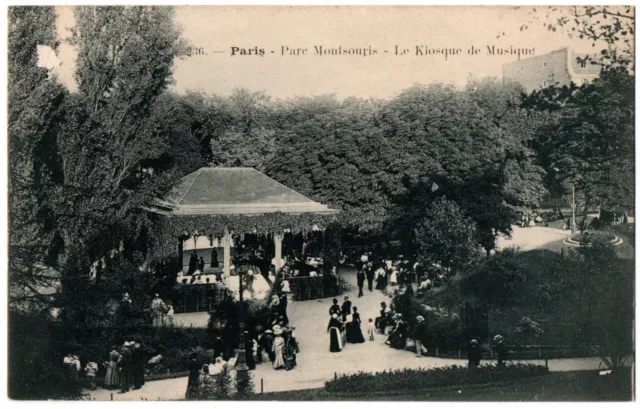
(417, 379)
(587, 237)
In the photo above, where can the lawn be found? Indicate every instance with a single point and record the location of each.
(555, 386)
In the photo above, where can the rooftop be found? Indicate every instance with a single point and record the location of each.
(227, 191)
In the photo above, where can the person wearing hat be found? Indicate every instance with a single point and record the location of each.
(194, 375)
(501, 350)
(278, 348)
(125, 368)
(137, 366)
(398, 337)
(370, 273)
(420, 334)
(112, 378)
(159, 309)
(360, 278)
(335, 334)
(346, 308)
(474, 354)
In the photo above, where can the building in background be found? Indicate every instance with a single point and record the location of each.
(560, 67)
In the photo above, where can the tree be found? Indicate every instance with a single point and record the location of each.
(612, 27)
(446, 236)
(105, 146)
(468, 145)
(602, 293)
(332, 152)
(501, 277)
(243, 134)
(589, 142)
(35, 107)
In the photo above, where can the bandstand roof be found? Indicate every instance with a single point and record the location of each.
(234, 191)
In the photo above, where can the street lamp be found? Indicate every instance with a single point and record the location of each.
(573, 209)
(573, 205)
(242, 269)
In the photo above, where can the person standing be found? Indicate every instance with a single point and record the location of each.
(194, 375)
(193, 265)
(371, 330)
(501, 350)
(335, 308)
(201, 265)
(356, 328)
(361, 277)
(137, 363)
(420, 334)
(278, 349)
(125, 368)
(335, 334)
(381, 279)
(283, 301)
(370, 275)
(112, 378)
(159, 309)
(473, 353)
(346, 308)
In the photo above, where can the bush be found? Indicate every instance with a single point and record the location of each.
(219, 387)
(418, 379)
(36, 370)
(591, 235)
(244, 384)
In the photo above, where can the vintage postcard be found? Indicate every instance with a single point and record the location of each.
(330, 203)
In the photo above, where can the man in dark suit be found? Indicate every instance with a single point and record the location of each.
(346, 308)
(137, 366)
(370, 275)
(361, 277)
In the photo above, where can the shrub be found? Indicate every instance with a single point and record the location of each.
(418, 379)
(590, 235)
(244, 384)
(36, 370)
(219, 387)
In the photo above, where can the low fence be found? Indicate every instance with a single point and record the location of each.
(197, 297)
(312, 288)
(524, 352)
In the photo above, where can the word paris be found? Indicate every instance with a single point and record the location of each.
(418, 50)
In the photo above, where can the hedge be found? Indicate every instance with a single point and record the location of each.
(418, 379)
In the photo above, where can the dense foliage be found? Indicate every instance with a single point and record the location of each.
(588, 139)
(418, 379)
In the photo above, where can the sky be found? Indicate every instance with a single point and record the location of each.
(216, 29)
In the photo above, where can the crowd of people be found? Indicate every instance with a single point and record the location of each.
(387, 273)
(345, 325)
(125, 369)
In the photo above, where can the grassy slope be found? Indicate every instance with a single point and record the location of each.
(550, 317)
(557, 386)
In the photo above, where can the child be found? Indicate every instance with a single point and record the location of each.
(170, 313)
(371, 329)
(91, 370)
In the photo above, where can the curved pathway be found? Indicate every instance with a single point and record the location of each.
(316, 364)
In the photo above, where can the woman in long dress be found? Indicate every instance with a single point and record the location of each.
(355, 333)
(381, 279)
(112, 378)
(335, 334)
(393, 279)
(278, 349)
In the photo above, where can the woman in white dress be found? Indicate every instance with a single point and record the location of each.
(393, 279)
(278, 349)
